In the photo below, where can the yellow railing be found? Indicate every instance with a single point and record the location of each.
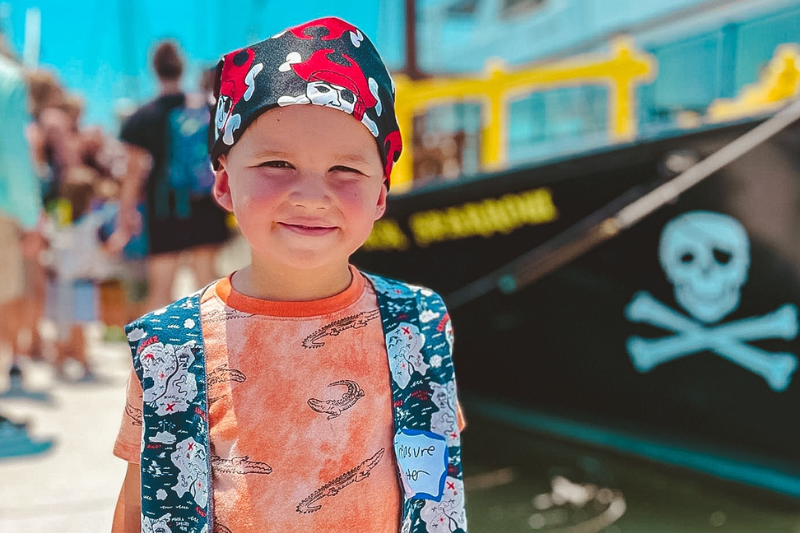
(778, 82)
(621, 71)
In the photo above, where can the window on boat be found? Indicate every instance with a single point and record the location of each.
(447, 142)
(558, 121)
(698, 69)
(514, 8)
(688, 81)
(463, 8)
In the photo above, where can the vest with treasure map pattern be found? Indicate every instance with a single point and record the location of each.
(169, 360)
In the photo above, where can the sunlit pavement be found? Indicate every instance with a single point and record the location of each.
(73, 486)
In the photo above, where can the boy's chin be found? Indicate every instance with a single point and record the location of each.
(312, 261)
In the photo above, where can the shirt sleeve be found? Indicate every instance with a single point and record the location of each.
(129, 438)
(133, 131)
(19, 184)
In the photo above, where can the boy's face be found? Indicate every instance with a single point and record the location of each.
(306, 184)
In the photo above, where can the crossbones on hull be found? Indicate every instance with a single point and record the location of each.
(727, 340)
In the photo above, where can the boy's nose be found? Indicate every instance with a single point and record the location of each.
(311, 191)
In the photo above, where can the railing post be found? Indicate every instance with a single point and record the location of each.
(494, 134)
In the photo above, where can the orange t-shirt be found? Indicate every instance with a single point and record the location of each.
(300, 413)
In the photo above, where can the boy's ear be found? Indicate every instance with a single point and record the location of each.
(222, 190)
(380, 208)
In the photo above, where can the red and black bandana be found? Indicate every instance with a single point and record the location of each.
(326, 62)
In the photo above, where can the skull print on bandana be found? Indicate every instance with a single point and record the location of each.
(326, 62)
(238, 81)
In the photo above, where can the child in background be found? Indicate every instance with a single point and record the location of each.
(298, 393)
(105, 154)
(77, 261)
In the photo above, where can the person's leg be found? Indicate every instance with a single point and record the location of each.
(161, 270)
(63, 298)
(203, 261)
(33, 308)
(11, 321)
(16, 325)
(9, 334)
(208, 223)
(77, 347)
(134, 283)
(113, 305)
(6, 325)
(12, 291)
(61, 355)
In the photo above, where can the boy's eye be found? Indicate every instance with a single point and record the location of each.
(342, 168)
(275, 164)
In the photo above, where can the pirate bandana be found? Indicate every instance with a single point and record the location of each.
(326, 62)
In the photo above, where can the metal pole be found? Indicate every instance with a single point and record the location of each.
(33, 37)
(126, 11)
(412, 68)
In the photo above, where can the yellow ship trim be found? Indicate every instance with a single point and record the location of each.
(779, 81)
(621, 71)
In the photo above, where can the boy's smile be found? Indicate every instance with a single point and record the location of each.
(306, 184)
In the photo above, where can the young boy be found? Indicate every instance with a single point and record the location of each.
(297, 394)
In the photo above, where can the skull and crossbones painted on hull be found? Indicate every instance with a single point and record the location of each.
(706, 256)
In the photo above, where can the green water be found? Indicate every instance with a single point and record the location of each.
(521, 481)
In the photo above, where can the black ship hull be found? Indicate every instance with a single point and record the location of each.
(564, 344)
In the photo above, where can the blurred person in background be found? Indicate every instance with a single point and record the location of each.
(105, 155)
(80, 257)
(169, 172)
(53, 135)
(54, 132)
(20, 210)
(79, 169)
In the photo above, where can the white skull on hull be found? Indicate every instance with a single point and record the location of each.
(706, 256)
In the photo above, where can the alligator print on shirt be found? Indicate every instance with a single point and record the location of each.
(239, 465)
(335, 328)
(334, 408)
(223, 374)
(134, 413)
(332, 488)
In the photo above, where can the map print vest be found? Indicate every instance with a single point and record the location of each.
(169, 359)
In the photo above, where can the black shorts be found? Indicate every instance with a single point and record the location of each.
(206, 225)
